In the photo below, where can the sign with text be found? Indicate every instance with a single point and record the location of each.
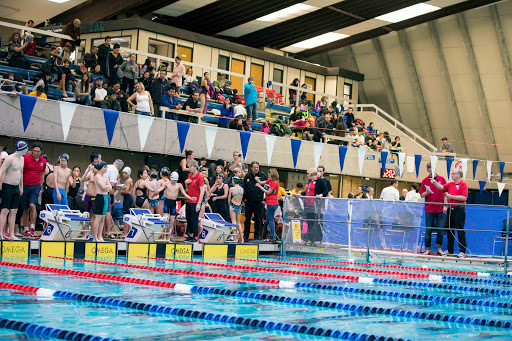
(183, 251)
(247, 251)
(15, 249)
(296, 231)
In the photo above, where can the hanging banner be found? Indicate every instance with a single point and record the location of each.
(183, 128)
(449, 161)
(27, 106)
(410, 164)
(417, 163)
(271, 141)
(502, 169)
(67, 111)
(110, 117)
(144, 123)
(464, 166)
(475, 164)
(433, 163)
(383, 157)
(295, 150)
(317, 148)
(482, 185)
(501, 186)
(343, 152)
(489, 168)
(210, 133)
(401, 160)
(361, 152)
(245, 136)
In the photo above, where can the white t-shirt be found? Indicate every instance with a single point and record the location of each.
(112, 173)
(100, 93)
(239, 110)
(390, 193)
(413, 196)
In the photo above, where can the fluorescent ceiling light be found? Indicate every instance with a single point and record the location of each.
(320, 40)
(288, 13)
(408, 13)
(59, 1)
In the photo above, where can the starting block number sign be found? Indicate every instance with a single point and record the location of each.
(15, 249)
(296, 231)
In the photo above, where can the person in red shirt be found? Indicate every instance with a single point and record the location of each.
(270, 188)
(434, 214)
(33, 172)
(456, 193)
(196, 189)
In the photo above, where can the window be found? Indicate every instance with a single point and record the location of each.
(224, 64)
(277, 77)
(122, 41)
(347, 91)
(160, 48)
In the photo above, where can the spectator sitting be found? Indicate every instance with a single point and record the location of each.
(329, 110)
(73, 30)
(103, 52)
(44, 81)
(352, 136)
(192, 105)
(239, 124)
(97, 74)
(351, 121)
(128, 72)
(446, 147)
(147, 80)
(7, 85)
(170, 100)
(114, 61)
(158, 89)
(361, 137)
(296, 115)
(189, 78)
(321, 104)
(323, 126)
(39, 93)
(239, 109)
(178, 72)
(370, 136)
(308, 131)
(413, 195)
(219, 83)
(396, 147)
(60, 54)
(375, 145)
(371, 129)
(83, 90)
(360, 193)
(145, 68)
(91, 58)
(70, 78)
(19, 84)
(111, 101)
(15, 53)
(122, 96)
(144, 103)
(227, 112)
(98, 93)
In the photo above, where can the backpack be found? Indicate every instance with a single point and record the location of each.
(265, 128)
(277, 130)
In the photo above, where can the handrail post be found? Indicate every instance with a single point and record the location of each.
(368, 239)
(505, 268)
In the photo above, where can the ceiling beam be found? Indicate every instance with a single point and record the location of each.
(502, 44)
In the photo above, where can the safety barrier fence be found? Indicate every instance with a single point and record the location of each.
(395, 228)
(361, 309)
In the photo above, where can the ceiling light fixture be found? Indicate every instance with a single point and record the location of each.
(408, 13)
(320, 40)
(59, 1)
(288, 13)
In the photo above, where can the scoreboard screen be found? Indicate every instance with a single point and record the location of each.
(388, 173)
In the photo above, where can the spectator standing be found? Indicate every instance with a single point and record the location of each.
(404, 194)
(390, 193)
(111, 102)
(253, 197)
(360, 193)
(33, 173)
(144, 104)
(270, 187)
(237, 163)
(206, 89)
(159, 88)
(251, 100)
(28, 37)
(303, 95)
(147, 80)
(386, 142)
(313, 208)
(434, 214)
(91, 58)
(170, 100)
(371, 191)
(413, 195)
(227, 112)
(446, 147)
(114, 61)
(456, 193)
(70, 82)
(196, 191)
(321, 176)
(293, 93)
(103, 52)
(83, 90)
(178, 72)
(122, 97)
(128, 72)
(144, 67)
(73, 30)
(321, 104)
(60, 54)
(16, 54)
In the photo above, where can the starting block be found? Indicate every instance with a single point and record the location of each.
(144, 226)
(64, 224)
(216, 230)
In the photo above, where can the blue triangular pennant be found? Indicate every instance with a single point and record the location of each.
(245, 136)
(417, 163)
(27, 106)
(182, 133)
(502, 169)
(449, 161)
(295, 150)
(343, 153)
(383, 158)
(475, 164)
(482, 185)
(110, 117)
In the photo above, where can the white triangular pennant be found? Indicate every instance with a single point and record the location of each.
(433, 164)
(410, 164)
(464, 166)
(501, 186)
(401, 160)
(271, 141)
(361, 152)
(317, 148)
(67, 111)
(210, 133)
(489, 168)
(145, 123)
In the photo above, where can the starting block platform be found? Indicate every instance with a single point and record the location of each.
(216, 230)
(144, 226)
(63, 223)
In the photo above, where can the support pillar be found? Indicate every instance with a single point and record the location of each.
(352, 64)
(502, 44)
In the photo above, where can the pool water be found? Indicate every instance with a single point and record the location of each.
(131, 324)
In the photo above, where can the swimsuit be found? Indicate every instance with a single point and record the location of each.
(63, 200)
(10, 196)
(140, 199)
(154, 202)
(171, 206)
(236, 208)
(101, 206)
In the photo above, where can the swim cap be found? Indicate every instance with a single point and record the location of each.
(127, 170)
(165, 171)
(175, 176)
(153, 175)
(237, 179)
(3, 155)
(100, 165)
(21, 145)
(64, 156)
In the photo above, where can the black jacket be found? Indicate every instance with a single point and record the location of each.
(251, 192)
(320, 187)
(90, 59)
(103, 51)
(113, 61)
(158, 89)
